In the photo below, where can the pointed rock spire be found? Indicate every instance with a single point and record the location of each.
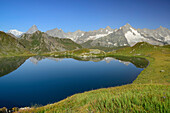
(127, 25)
(32, 29)
(108, 27)
(161, 27)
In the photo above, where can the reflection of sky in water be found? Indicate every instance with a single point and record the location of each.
(53, 79)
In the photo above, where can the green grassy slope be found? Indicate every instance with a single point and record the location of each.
(150, 92)
(9, 46)
(158, 69)
(69, 44)
(128, 98)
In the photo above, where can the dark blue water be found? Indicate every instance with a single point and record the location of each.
(49, 81)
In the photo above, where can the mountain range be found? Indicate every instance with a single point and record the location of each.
(40, 42)
(33, 42)
(108, 37)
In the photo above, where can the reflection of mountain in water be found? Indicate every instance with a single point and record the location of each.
(138, 62)
(108, 59)
(10, 64)
(126, 63)
(36, 59)
(55, 59)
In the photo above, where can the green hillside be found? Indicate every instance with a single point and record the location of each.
(158, 56)
(10, 46)
(40, 42)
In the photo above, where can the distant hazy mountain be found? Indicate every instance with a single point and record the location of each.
(94, 35)
(40, 42)
(15, 32)
(19, 33)
(160, 34)
(32, 29)
(56, 33)
(108, 37)
(61, 34)
(80, 36)
(74, 35)
(129, 36)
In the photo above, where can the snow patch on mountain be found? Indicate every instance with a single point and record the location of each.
(115, 44)
(15, 32)
(134, 37)
(167, 39)
(110, 43)
(82, 34)
(97, 36)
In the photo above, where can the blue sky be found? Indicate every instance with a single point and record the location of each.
(86, 15)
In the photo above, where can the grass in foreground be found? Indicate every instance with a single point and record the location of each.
(128, 98)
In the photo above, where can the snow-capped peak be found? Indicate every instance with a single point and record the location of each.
(15, 32)
(133, 37)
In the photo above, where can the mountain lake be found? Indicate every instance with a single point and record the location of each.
(43, 80)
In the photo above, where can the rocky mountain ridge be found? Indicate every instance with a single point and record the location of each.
(40, 42)
(108, 37)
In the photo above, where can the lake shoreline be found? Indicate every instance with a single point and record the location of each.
(158, 61)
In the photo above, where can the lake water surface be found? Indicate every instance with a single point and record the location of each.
(39, 80)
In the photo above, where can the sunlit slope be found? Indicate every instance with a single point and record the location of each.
(10, 46)
(128, 98)
(159, 58)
